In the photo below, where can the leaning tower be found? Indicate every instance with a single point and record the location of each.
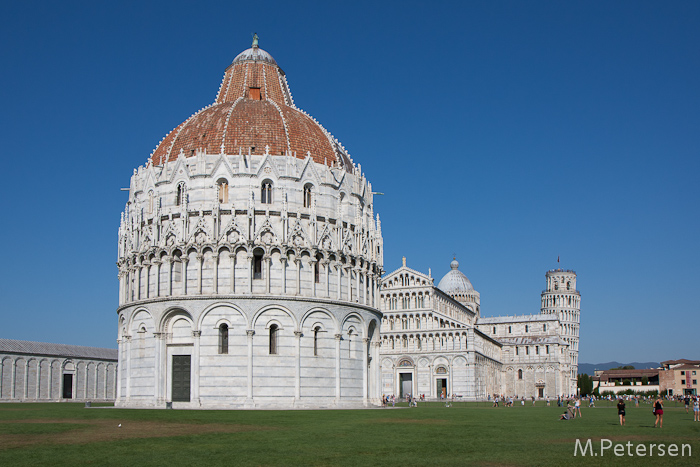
(563, 300)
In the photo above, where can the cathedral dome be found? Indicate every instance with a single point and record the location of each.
(253, 113)
(254, 54)
(454, 282)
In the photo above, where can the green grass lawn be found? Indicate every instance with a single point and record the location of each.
(467, 433)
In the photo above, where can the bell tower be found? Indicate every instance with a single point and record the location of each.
(563, 300)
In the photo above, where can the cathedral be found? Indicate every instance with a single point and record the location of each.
(435, 343)
(250, 263)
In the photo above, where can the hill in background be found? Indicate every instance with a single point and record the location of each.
(588, 368)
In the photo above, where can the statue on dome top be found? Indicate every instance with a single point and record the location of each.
(255, 40)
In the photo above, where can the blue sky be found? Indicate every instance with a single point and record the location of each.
(507, 133)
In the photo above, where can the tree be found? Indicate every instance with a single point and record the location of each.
(645, 381)
(585, 384)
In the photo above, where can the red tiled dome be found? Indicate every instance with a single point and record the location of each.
(252, 110)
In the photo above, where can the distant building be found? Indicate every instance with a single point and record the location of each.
(435, 342)
(679, 377)
(617, 381)
(41, 372)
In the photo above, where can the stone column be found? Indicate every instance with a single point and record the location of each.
(138, 270)
(266, 272)
(183, 276)
(349, 274)
(25, 383)
(49, 391)
(119, 375)
(297, 375)
(13, 377)
(338, 337)
(365, 364)
(127, 372)
(96, 380)
(232, 257)
(250, 333)
(366, 289)
(313, 264)
(157, 365)
(106, 367)
(38, 380)
(169, 263)
(200, 263)
(216, 272)
(120, 278)
(195, 367)
(326, 268)
(129, 274)
(250, 274)
(156, 292)
(297, 261)
(148, 279)
(378, 382)
(283, 260)
(340, 276)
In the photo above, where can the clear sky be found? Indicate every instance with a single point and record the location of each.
(507, 133)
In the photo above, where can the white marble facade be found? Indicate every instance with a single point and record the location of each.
(43, 372)
(254, 274)
(434, 341)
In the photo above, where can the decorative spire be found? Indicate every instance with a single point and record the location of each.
(404, 261)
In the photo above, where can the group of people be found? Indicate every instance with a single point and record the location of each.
(657, 410)
(573, 408)
(412, 401)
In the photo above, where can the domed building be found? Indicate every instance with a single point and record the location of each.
(458, 286)
(249, 259)
(430, 342)
(436, 343)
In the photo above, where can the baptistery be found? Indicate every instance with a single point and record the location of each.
(249, 259)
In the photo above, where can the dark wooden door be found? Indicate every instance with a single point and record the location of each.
(68, 386)
(181, 378)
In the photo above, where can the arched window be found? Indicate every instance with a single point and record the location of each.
(223, 190)
(316, 331)
(527, 328)
(257, 264)
(494, 329)
(274, 331)
(317, 271)
(307, 195)
(180, 194)
(223, 339)
(520, 374)
(266, 192)
(544, 328)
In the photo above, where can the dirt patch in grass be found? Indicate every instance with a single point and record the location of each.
(93, 431)
(411, 421)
